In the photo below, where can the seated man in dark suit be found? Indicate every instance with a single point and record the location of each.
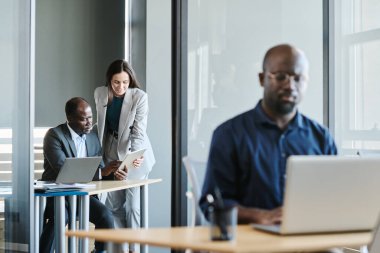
(74, 139)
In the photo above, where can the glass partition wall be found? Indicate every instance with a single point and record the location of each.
(227, 40)
(16, 177)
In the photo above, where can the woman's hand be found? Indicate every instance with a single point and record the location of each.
(137, 162)
(120, 174)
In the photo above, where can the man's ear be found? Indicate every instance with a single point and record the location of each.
(69, 119)
(261, 79)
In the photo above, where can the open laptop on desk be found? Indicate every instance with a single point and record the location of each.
(78, 170)
(329, 194)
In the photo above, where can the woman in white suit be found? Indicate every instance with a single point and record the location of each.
(122, 114)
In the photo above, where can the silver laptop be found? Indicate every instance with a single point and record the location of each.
(78, 170)
(329, 194)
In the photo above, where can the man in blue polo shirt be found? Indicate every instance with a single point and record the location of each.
(248, 153)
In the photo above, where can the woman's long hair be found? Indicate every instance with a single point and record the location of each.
(117, 67)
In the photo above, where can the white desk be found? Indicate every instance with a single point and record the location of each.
(108, 186)
(100, 187)
(59, 215)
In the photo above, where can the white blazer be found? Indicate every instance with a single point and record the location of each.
(132, 124)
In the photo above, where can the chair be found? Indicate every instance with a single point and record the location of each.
(374, 246)
(195, 171)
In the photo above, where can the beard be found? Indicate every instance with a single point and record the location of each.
(280, 107)
(283, 108)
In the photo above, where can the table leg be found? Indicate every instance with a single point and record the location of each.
(84, 214)
(37, 219)
(72, 222)
(59, 223)
(113, 247)
(144, 213)
(42, 212)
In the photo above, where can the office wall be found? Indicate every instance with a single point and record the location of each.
(8, 61)
(302, 25)
(158, 84)
(75, 42)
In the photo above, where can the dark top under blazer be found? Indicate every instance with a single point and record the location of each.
(58, 145)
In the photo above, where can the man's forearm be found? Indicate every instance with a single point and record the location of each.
(247, 215)
(261, 216)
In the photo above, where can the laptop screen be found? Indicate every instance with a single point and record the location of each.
(78, 170)
(331, 193)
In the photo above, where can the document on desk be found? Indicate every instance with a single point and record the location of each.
(57, 187)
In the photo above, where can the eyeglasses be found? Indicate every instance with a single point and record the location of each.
(283, 77)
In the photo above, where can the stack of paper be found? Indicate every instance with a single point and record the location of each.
(56, 187)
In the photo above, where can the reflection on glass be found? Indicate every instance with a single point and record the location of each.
(371, 9)
(362, 115)
(7, 81)
(357, 64)
(226, 44)
(15, 181)
(361, 15)
(371, 85)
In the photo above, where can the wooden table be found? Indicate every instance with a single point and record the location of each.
(248, 240)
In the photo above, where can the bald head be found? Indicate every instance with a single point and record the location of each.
(73, 104)
(287, 54)
(79, 115)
